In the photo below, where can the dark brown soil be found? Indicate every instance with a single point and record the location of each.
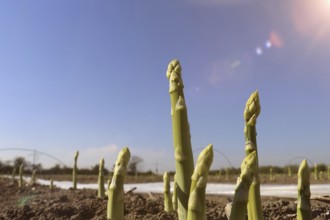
(38, 202)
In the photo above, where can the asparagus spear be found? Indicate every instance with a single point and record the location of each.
(74, 172)
(100, 192)
(251, 112)
(20, 182)
(181, 137)
(175, 195)
(196, 204)
(115, 209)
(241, 197)
(303, 204)
(168, 207)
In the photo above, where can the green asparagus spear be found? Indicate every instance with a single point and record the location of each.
(196, 204)
(168, 207)
(181, 137)
(303, 204)
(100, 182)
(115, 209)
(251, 112)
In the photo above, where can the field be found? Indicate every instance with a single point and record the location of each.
(39, 202)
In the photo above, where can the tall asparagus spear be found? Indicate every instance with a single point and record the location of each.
(100, 192)
(115, 210)
(251, 112)
(181, 137)
(241, 197)
(303, 204)
(168, 207)
(196, 204)
(74, 171)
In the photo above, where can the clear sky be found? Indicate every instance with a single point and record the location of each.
(91, 76)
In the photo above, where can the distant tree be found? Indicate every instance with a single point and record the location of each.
(133, 165)
(20, 160)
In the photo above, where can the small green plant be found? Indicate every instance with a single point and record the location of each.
(168, 206)
(115, 209)
(101, 191)
(196, 204)
(241, 197)
(251, 112)
(181, 137)
(75, 170)
(21, 181)
(303, 203)
(329, 172)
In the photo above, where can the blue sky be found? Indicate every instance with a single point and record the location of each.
(90, 76)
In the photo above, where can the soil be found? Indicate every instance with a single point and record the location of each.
(39, 202)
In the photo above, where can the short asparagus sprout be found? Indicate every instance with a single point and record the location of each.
(168, 206)
(51, 184)
(303, 204)
(316, 173)
(241, 197)
(251, 112)
(196, 204)
(271, 175)
(21, 181)
(219, 175)
(115, 209)
(175, 195)
(289, 172)
(13, 174)
(33, 177)
(75, 170)
(181, 137)
(101, 192)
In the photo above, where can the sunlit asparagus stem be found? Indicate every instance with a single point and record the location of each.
(316, 173)
(33, 177)
(74, 171)
(196, 204)
(115, 209)
(175, 195)
(51, 185)
(251, 112)
(241, 197)
(289, 172)
(100, 182)
(271, 175)
(168, 207)
(304, 193)
(329, 172)
(13, 174)
(181, 137)
(20, 182)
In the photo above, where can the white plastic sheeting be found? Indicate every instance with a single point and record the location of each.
(288, 191)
